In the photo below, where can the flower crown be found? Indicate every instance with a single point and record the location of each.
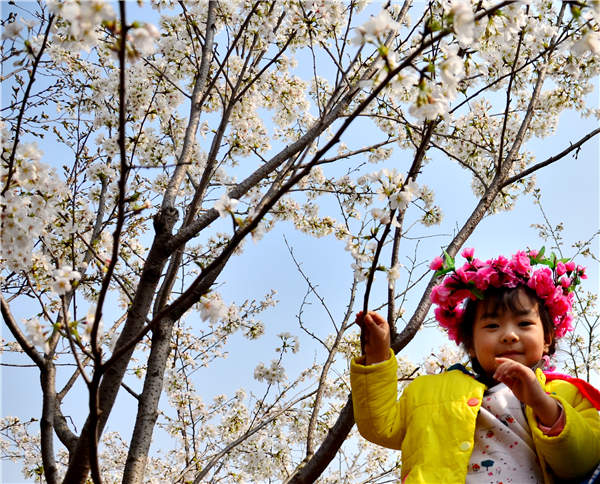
(553, 283)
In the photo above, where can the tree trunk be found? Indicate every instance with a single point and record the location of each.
(148, 403)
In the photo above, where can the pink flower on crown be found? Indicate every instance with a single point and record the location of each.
(453, 334)
(459, 296)
(446, 318)
(564, 327)
(464, 274)
(570, 266)
(501, 263)
(560, 268)
(520, 263)
(483, 277)
(440, 295)
(558, 302)
(542, 283)
(436, 263)
(503, 274)
(468, 253)
(511, 281)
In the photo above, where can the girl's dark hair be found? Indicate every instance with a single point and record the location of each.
(505, 299)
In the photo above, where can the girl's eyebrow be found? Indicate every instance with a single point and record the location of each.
(532, 311)
(489, 315)
(495, 313)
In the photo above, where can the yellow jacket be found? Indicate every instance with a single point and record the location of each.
(433, 423)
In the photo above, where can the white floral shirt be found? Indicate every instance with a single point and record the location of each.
(503, 450)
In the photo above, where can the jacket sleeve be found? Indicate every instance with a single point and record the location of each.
(574, 452)
(379, 415)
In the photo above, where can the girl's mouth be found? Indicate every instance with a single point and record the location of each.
(509, 354)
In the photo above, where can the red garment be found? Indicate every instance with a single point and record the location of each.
(587, 390)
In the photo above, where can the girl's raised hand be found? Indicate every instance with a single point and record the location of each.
(523, 383)
(519, 378)
(376, 336)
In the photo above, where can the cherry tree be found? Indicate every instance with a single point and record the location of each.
(139, 153)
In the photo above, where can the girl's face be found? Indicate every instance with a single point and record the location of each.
(518, 336)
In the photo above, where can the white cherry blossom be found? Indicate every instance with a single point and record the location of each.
(143, 39)
(12, 30)
(225, 205)
(212, 308)
(64, 277)
(373, 29)
(590, 42)
(37, 333)
(462, 20)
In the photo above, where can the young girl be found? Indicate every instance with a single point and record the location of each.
(508, 422)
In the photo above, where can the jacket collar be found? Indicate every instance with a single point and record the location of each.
(480, 376)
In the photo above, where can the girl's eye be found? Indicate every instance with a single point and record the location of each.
(491, 326)
(525, 323)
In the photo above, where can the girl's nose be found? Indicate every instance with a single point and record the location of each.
(510, 337)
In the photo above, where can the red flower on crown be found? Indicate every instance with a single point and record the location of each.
(553, 283)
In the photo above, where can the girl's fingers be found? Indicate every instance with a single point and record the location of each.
(513, 374)
(371, 316)
(372, 320)
(359, 319)
(371, 323)
(377, 318)
(506, 368)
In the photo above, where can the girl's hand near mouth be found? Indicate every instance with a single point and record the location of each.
(523, 383)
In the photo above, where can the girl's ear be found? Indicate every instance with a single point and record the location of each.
(547, 343)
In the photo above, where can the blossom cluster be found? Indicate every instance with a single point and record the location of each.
(462, 16)
(85, 329)
(37, 333)
(31, 202)
(213, 308)
(83, 19)
(289, 342)
(553, 284)
(400, 193)
(274, 373)
(63, 280)
(375, 28)
(80, 22)
(443, 358)
(142, 39)
(225, 205)
(19, 442)
(434, 100)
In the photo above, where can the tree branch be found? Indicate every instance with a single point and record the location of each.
(538, 166)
